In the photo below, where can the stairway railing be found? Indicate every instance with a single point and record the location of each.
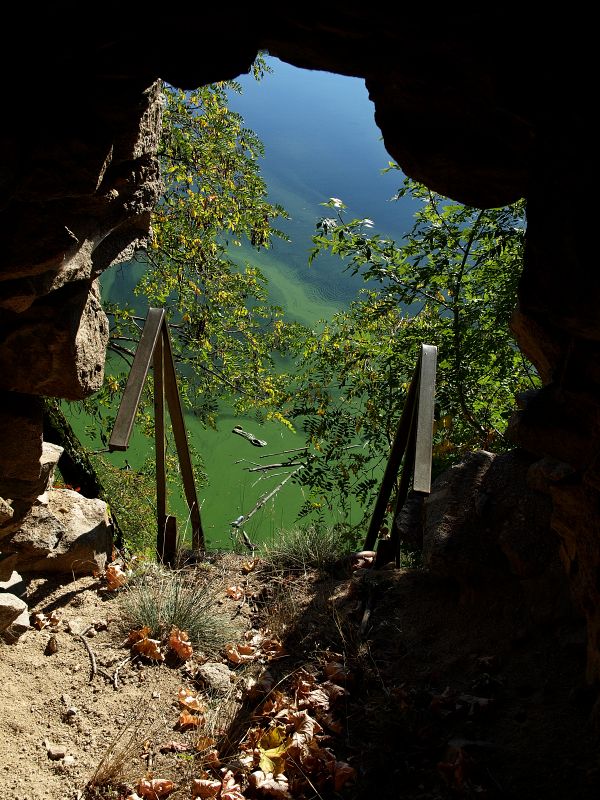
(413, 442)
(155, 347)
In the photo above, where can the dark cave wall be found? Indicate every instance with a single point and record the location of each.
(485, 106)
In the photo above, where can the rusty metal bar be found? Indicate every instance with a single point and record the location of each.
(166, 542)
(424, 432)
(155, 346)
(123, 426)
(413, 442)
(181, 442)
(159, 436)
(393, 465)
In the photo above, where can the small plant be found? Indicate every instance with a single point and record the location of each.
(163, 600)
(109, 779)
(311, 547)
(131, 494)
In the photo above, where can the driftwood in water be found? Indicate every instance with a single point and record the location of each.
(249, 436)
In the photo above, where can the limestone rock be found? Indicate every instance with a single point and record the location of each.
(7, 564)
(26, 492)
(72, 534)
(51, 454)
(482, 522)
(56, 752)
(6, 512)
(11, 607)
(214, 676)
(20, 626)
(61, 340)
(21, 437)
(15, 583)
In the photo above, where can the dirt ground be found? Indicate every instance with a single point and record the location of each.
(380, 684)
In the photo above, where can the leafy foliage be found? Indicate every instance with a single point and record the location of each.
(225, 333)
(451, 283)
(223, 328)
(132, 493)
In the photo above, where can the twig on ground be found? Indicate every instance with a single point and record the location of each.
(115, 677)
(94, 670)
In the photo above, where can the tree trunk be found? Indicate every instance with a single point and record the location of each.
(75, 464)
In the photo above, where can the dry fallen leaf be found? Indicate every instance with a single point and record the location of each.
(180, 643)
(187, 720)
(187, 699)
(274, 786)
(205, 787)
(115, 577)
(235, 592)
(240, 653)
(204, 743)
(155, 789)
(41, 620)
(230, 790)
(259, 685)
(137, 635)
(274, 703)
(332, 724)
(211, 759)
(150, 648)
(336, 671)
(305, 728)
(342, 773)
(248, 566)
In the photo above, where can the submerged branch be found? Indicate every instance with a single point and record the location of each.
(264, 499)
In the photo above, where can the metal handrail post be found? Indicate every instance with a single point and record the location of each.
(413, 442)
(121, 433)
(155, 346)
(393, 465)
(181, 442)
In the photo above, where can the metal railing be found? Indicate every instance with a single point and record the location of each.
(413, 442)
(155, 346)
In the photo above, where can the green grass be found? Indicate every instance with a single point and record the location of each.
(305, 548)
(162, 600)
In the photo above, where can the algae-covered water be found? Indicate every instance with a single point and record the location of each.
(320, 141)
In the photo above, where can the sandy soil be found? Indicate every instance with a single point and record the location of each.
(442, 698)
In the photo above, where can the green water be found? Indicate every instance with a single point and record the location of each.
(320, 141)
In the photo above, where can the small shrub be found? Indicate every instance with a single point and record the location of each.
(163, 600)
(131, 495)
(312, 547)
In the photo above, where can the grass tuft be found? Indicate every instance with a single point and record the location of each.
(307, 548)
(182, 599)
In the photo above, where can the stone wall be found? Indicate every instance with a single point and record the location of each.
(485, 106)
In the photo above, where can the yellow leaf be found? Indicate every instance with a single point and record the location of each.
(272, 749)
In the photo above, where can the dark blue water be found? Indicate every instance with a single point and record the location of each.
(320, 141)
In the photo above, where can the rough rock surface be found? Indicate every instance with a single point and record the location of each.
(70, 534)
(57, 347)
(11, 607)
(482, 522)
(215, 676)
